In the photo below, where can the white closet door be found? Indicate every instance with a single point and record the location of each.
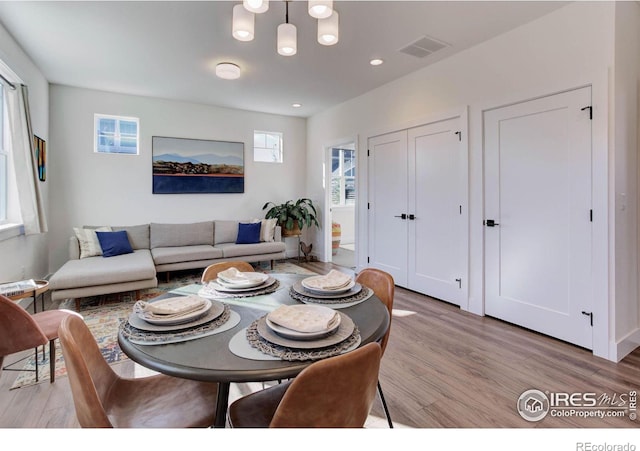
(538, 192)
(437, 243)
(387, 204)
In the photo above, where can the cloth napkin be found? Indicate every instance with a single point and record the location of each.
(167, 308)
(302, 318)
(331, 281)
(232, 275)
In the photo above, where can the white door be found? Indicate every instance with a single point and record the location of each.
(437, 235)
(387, 204)
(538, 193)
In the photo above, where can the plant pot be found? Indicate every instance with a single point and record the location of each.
(336, 233)
(293, 232)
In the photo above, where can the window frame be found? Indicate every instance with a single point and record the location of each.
(280, 138)
(4, 154)
(342, 178)
(97, 117)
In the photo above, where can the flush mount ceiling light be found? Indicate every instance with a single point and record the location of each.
(296, 105)
(376, 62)
(243, 23)
(227, 71)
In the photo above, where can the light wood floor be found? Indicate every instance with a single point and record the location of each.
(443, 368)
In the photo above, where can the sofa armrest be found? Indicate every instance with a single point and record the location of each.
(74, 248)
(277, 234)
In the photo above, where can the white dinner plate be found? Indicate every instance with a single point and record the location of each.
(191, 316)
(224, 289)
(295, 335)
(253, 280)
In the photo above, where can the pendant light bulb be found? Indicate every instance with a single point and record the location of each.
(242, 26)
(320, 9)
(287, 39)
(256, 6)
(328, 29)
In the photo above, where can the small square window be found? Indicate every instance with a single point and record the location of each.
(116, 134)
(267, 146)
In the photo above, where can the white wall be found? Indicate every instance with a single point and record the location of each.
(26, 257)
(569, 48)
(89, 188)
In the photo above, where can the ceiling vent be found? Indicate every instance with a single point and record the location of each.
(424, 46)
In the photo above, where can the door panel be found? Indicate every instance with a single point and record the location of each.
(388, 200)
(538, 190)
(436, 254)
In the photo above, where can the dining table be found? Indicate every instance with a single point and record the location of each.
(214, 357)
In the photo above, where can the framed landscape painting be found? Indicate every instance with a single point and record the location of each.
(183, 165)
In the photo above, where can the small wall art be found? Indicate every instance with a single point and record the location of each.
(183, 165)
(40, 147)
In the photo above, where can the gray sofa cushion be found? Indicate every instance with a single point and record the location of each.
(240, 250)
(104, 270)
(170, 235)
(225, 232)
(138, 235)
(164, 255)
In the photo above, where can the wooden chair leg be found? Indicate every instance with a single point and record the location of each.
(36, 364)
(52, 360)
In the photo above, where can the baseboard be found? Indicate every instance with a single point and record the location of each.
(625, 346)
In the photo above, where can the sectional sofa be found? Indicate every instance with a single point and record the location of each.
(159, 248)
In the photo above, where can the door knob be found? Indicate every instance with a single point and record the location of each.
(403, 216)
(491, 223)
(412, 217)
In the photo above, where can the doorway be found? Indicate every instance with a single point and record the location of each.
(340, 230)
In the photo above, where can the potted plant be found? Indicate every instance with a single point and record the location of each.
(293, 217)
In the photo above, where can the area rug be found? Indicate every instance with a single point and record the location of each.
(103, 315)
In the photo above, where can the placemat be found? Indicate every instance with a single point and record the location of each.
(362, 296)
(226, 321)
(257, 341)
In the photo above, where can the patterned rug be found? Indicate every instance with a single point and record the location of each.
(103, 315)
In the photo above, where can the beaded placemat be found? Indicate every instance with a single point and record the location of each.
(364, 294)
(140, 336)
(257, 341)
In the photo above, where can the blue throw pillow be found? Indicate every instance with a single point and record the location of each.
(114, 243)
(248, 233)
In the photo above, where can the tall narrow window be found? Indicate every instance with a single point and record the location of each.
(116, 134)
(4, 161)
(343, 176)
(267, 146)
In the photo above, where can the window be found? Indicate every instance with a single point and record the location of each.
(267, 147)
(4, 162)
(116, 134)
(343, 177)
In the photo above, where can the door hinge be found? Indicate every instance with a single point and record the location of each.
(459, 283)
(368, 152)
(590, 108)
(368, 205)
(459, 136)
(367, 259)
(590, 215)
(460, 209)
(590, 315)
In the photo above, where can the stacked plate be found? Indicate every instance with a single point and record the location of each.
(174, 313)
(234, 281)
(333, 285)
(305, 326)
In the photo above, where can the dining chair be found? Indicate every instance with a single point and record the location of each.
(335, 392)
(211, 271)
(383, 286)
(19, 331)
(104, 399)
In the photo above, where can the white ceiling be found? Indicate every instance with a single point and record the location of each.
(168, 49)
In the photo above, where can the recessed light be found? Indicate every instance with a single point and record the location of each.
(227, 71)
(296, 105)
(376, 62)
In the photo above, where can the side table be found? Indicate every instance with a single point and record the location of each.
(42, 286)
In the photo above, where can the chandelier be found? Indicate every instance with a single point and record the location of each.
(243, 23)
